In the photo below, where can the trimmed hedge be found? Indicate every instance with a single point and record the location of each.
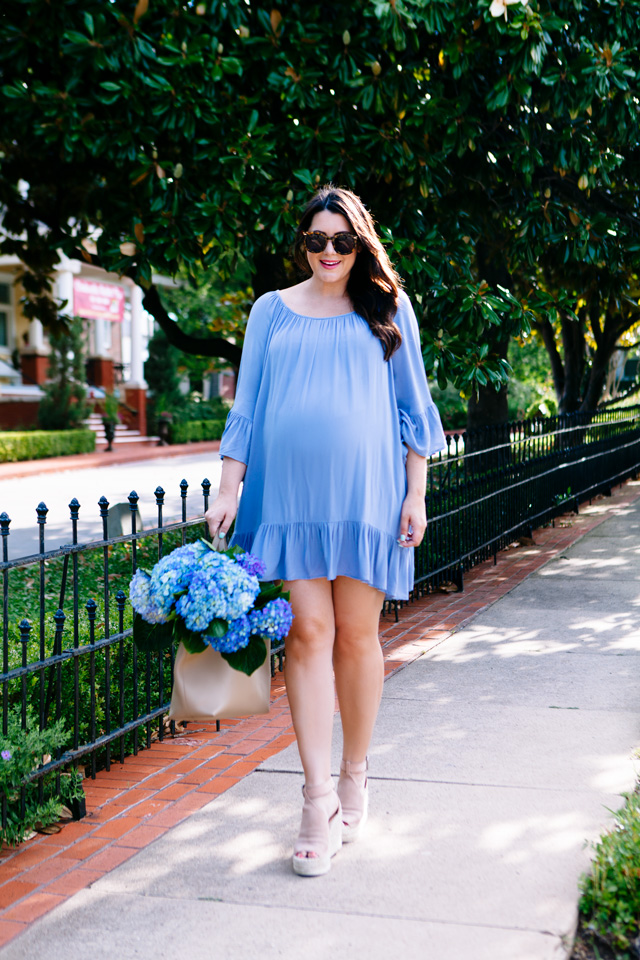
(194, 430)
(37, 444)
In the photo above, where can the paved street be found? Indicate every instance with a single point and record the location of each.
(20, 497)
(497, 755)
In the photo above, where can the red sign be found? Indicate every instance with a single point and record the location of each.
(98, 301)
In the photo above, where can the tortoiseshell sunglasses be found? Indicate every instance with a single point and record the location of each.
(343, 243)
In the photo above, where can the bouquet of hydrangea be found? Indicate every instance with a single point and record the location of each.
(200, 596)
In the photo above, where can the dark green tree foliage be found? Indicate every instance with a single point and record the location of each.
(497, 145)
(64, 405)
(161, 374)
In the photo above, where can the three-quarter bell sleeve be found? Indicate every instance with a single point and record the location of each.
(236, 439)
(420, 425)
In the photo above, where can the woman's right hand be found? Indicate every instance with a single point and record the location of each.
(221, 514)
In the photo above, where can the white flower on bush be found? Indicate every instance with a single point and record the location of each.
(499, 7)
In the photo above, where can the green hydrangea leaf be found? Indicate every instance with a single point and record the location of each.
(151, 637)
(249, 658)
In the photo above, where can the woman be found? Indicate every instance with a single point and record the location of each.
(330, 428)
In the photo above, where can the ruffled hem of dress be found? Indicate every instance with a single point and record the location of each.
(236, 438)
(423, 432)
(347, 548)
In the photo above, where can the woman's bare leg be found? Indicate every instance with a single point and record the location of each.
(358, 662)
(308, 675)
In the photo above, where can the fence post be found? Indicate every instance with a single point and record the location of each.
(206, 490)
(159, 495)
(42, 510)
(4, 529)
(133, 506)
(92, 610)
(184, 486)
(25, 629)
(103, 503)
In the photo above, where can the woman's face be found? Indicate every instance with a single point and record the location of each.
(329, 266)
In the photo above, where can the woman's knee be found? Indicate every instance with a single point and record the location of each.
(355, 640)
(310, 636)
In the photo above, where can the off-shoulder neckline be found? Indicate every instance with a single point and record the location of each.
(304, 316)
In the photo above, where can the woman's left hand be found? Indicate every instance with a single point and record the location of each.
(413, 521)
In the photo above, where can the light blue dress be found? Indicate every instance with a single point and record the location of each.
(320, 419)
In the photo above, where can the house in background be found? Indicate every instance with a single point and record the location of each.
(117, 330)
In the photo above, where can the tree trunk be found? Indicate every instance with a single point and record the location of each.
(489, 405)
(546, 331)
(575, 359)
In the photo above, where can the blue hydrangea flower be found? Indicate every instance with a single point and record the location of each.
(236, 638)
(219, 589)
(153, 597)
(273, 621)
(141, 599)
(173, 574)
(252, 565)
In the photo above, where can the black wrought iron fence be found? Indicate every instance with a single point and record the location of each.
(491, 486)
(67, 652)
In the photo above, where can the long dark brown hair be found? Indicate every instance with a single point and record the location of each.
(373, 284)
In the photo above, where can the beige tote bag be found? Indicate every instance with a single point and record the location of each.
(205, 687)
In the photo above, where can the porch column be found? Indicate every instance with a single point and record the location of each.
(135, 388)
(100, 361)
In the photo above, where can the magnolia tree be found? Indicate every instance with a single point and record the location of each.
(496, 143)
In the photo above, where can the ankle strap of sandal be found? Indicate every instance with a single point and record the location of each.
(350, 768)
(318, 790)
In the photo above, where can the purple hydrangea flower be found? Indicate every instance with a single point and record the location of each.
(274, 620)
(6, 754)
(252, 565)
(236, 638)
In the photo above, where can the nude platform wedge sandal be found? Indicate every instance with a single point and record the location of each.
(320, 831)
(353, 790)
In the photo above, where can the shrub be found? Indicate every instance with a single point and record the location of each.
(64, 405)
(37, 444)
(194, 430)
(21, 752)
(610, 902)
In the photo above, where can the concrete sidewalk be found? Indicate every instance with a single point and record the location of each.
(497, 755)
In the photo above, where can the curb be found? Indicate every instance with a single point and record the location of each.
(100, 458)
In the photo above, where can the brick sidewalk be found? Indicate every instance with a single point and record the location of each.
(141, 799)
(127, 453)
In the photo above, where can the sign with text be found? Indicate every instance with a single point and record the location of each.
(98, 301)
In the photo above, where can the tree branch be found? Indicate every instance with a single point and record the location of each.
(623, 396)
(197, 346)
(545, 329)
